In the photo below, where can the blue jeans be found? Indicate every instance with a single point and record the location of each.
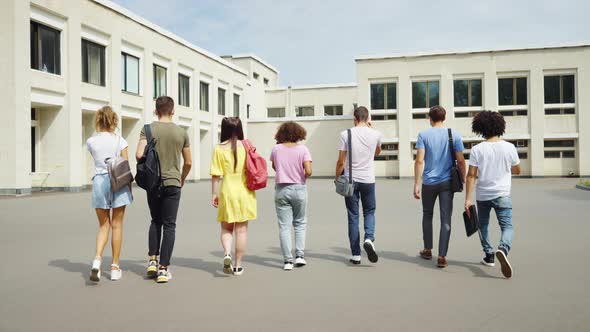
(365, 192)
(503, 208)
(291, 206)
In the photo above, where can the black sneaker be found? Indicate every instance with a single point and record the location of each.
(502, 256)
(488, 260)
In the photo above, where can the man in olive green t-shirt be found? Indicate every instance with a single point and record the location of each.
(172, 142)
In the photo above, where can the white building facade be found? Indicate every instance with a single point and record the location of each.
(65, 60)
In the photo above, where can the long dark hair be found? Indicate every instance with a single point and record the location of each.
(231, 129)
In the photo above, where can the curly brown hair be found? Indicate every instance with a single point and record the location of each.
(488, 124)
(290, 132)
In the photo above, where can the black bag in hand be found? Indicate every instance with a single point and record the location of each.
(456, 176)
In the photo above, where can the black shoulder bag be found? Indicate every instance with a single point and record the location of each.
(456, 177)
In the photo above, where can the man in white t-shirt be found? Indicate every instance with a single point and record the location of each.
(491, 165)
(366, 144)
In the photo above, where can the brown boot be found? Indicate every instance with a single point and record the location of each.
(442, 262)
(426, 254)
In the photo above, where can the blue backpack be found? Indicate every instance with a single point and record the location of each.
(149, 174)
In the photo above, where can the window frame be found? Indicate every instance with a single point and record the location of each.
(560, 150)
(206, 102)
(221, 106)
(386, 86)
(302, 107)
(86, 65)
(561, 108)
(124, 56)
(236, 96)
(36, 54)
(335, 108)
(187, 78)
(284, 112)
(427, 95)
(469, 105)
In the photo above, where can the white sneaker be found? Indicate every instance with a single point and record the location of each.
(300, 261)
(370, 249)
(354, 259)
(95, 271)
(164, 276)
(117, 273)
(288, 266)
(227, 264)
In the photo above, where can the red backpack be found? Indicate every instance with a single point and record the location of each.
(256, 171)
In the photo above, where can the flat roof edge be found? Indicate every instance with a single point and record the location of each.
(467, 51)
(316, 86)
(158, 29)
(253, 56)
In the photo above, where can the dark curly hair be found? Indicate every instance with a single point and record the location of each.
(290, 131)
(488, 124)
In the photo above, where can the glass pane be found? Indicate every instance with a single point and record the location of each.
(160, 81)
(33, 149)
(123, 72)
(475, 93)
(132, 74)
(236, 105)
(391, 96)
(304, 111)
(377, 96)
(552, 154)
(204, 97)
(183, 90)
(49, 50)
(568, 154)
(419, 95)
(506, 91)
(94, 64)
(460, 91)
(221, 102)
(551, 89)
(278, 112)
(521, 91)
(568, 88)
(433, 94)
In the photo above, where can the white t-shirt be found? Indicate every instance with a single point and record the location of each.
(365, 141)
(494, 161)
(102, 146)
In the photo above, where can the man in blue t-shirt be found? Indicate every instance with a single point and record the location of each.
(432, 179)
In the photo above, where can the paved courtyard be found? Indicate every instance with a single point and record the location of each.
(47, 241)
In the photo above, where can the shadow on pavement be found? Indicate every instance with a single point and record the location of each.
(83, 269)
(255, 259)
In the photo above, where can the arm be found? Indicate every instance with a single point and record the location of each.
(307, 167)
(188, 163)
(378, 150)
(340, 163)
(273, 166)
(462, 165)
(418, 170)
(515, 169)
(215, 180)
(125, 153)
(471, 178)
(140, 148)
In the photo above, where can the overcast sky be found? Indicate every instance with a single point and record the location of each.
(313, 42)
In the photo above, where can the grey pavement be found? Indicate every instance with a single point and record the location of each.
(47, 243)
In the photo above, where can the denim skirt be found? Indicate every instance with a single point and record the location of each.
(103, 198)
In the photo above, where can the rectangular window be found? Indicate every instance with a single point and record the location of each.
(159, 81)
(331, 110)
(304, 111)
(512, 91)
(236, 105)
(424, 94)
(466, 114)
(255, 75)
(383, 96)
(389, 147)
(33, 140)
(559, 144)
(184, 88)
(247, 111)
(559, 89)
(386, 157)
(45, 48)
(221, 101)
(419, 116)
(266, 81)
(93, 63)
(204, 97)
(130, 72)
(383, 117)
(275, 112)
(467, 93)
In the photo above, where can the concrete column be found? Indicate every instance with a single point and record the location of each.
(114, 68)
(74, 173)
(583, 103)
(537, 121)
(490, 89)
(147, 86)
(15, 137)
(196, 125)
(404, 120)
(446, 97)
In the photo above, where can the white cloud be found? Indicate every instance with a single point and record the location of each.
(316, 41)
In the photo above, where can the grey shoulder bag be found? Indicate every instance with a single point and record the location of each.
(344, 184)
(119, 170)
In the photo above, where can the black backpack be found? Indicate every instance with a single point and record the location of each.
(149, 174)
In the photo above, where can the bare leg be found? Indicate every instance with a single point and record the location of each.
(241, 229)
(117, 237)
(227, 230)
(104, 226)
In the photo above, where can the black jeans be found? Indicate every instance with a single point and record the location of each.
(163, 208)
(445, 203)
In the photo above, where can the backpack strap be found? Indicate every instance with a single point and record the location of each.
(248, 145)
(147, 129)
(349, 156)
(452, 147)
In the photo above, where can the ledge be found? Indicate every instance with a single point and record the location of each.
(582, 187)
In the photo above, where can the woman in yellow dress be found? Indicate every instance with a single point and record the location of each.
(236, 204)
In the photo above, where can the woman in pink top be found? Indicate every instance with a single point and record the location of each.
(292, 164)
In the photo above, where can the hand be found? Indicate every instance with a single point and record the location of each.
(215, 201)
(467, 206)
(369, 124)
(182, 183)
(417, 191)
